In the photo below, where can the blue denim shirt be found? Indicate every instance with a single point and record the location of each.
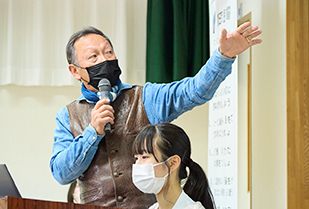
(163, 103)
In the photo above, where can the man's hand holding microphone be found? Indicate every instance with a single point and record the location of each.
(102, 115)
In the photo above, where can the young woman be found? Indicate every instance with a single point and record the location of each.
(162, 165)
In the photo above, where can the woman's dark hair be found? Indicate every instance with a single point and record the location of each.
(70, 50)
(170, 140)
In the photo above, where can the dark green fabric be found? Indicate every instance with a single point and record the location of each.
(177, 39)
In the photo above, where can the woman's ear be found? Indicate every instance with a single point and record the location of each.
(74, 71)
(174, 162)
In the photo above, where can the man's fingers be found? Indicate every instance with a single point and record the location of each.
(255, 41)
(102, 116)
(100, 123)
(251, 40)
(255, 34)
(250, 31)
(106, 113)
(105, 107)
(223, 34)
(100, 103)
(243, 27)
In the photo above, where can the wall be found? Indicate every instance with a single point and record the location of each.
(27, 123)
(269, 184)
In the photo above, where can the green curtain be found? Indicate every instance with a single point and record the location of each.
(177, 39)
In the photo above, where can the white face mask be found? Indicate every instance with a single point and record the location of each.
(144, 178)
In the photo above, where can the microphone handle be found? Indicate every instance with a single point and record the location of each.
(108, 126)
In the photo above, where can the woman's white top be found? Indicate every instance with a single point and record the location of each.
(183, 202)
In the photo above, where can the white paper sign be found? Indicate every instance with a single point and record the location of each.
(223, 125)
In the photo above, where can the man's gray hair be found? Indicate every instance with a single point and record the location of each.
(70, 50)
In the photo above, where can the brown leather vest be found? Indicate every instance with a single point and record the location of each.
(108, 180)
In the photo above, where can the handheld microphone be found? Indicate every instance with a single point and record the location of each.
(104, 88)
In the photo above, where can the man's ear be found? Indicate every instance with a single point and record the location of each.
(174, 162)
(74, 71)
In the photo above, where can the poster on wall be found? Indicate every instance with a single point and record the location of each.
(223, 125)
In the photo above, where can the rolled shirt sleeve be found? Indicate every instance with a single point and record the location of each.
(166, 102)
(71, 156)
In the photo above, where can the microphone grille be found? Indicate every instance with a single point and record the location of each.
(104, 84)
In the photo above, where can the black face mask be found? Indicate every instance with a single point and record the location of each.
(108, 69)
